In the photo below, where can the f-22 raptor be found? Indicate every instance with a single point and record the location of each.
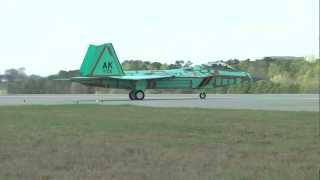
(102, 68)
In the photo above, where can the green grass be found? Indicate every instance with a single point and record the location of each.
(127, 142)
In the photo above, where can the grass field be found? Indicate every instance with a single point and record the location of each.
(127, 142)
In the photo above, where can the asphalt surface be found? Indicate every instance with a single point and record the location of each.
(283, 102)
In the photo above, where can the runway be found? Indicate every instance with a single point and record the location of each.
(284, 102)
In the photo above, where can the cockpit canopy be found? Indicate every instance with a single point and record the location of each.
(212, 66)
(220, 66)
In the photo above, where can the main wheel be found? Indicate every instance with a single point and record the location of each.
(203, 95)
(131, 95)
(139, 95)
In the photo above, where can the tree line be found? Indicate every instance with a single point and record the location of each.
(271, 74)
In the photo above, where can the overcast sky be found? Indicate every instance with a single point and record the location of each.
(48, 36)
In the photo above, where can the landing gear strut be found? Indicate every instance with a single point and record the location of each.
(136, 95)
(203, 95)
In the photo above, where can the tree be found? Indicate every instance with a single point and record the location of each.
(155, 66)
(176, 65)
(187, 64)
(15, 74)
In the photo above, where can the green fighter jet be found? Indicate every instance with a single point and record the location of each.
(102, 68)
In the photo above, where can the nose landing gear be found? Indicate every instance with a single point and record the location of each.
(136, 95)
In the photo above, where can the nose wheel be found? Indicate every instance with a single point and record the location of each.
(203, 95)
(136, 95)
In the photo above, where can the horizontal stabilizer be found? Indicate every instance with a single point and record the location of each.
(133, 78)
(62, 79)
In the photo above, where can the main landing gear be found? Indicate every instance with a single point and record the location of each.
(136, 95)
(203, 95)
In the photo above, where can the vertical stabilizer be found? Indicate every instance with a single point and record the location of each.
(101, 60)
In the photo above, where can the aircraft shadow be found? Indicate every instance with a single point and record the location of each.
(147, 99)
